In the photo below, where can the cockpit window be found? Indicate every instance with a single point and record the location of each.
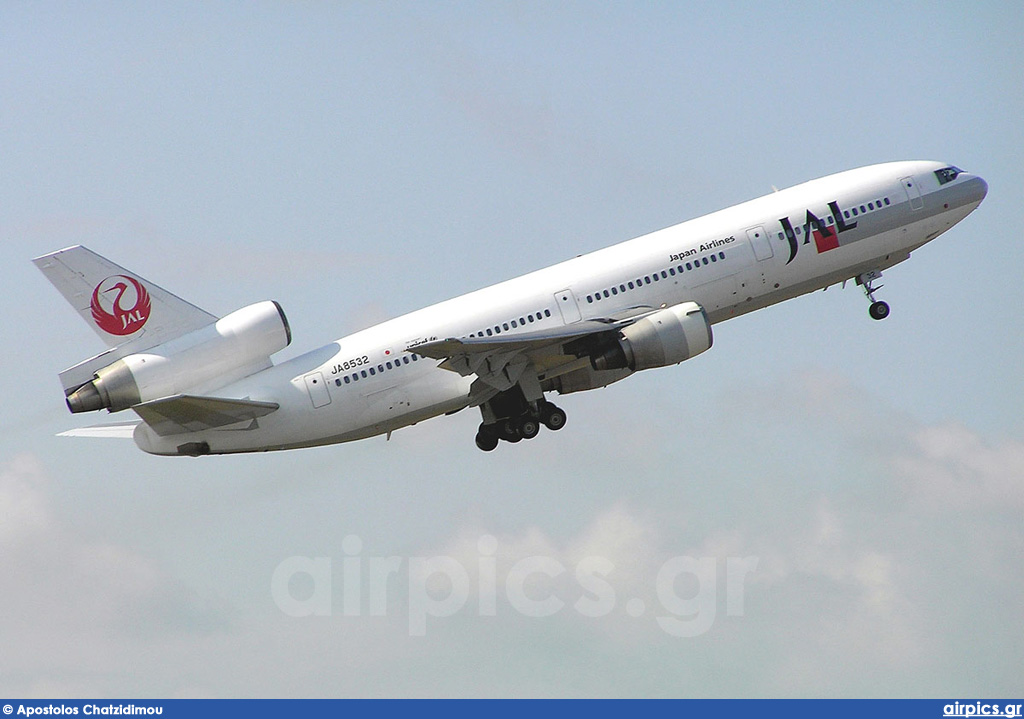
(947, 174)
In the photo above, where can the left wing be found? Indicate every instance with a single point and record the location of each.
(502, 361)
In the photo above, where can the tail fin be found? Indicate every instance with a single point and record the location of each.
(120, 306)
(129, 313)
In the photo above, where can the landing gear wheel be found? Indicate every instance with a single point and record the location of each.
(878, 310)
(486, 438)
(508, 430)
(528, 427)
(554, 418)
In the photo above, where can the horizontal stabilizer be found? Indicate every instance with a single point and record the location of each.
(189, 413)
(117, 430)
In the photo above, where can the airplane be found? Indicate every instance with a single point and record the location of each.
(203, 385)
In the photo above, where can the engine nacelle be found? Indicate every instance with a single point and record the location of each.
(583, 379)
(665, 338)
(227, 350)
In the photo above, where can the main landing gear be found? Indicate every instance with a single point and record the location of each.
(524, 426)
(878, 310)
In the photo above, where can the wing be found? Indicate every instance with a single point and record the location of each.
(502, 361)
(188, 413)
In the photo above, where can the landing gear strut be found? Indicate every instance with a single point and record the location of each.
(878, 310)
(525, 425)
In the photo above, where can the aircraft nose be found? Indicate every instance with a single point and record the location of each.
(975, 188)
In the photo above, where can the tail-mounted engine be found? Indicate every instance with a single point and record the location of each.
(225, 351)
(664, 338)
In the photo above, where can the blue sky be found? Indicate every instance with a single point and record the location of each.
(357, 161)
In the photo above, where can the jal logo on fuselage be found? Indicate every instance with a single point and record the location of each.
(825, 237)
(120, 305)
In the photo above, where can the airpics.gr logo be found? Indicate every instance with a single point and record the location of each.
(120, 305)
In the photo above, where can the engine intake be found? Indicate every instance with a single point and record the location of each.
(223, 352)
(665, 338)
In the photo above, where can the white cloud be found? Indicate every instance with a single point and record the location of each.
(77, 612)
(858, 589)
(950, 467)
(24, 504)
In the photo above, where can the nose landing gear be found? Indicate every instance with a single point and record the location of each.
(878, 310)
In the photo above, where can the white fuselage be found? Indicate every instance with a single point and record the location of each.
(730, 262)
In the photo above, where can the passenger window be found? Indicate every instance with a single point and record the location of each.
(489, 333)
(690, 267)
(886, 201)
(664, 276)
(672, 271)
(721, 255)
(547, 313)
(372, 371)
(862, 208)
(714, 259)
(705, 260)
(871, 205)
(389, 365)
(854, 211)
(631, 284)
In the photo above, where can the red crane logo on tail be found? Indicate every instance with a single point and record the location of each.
(109, 310)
